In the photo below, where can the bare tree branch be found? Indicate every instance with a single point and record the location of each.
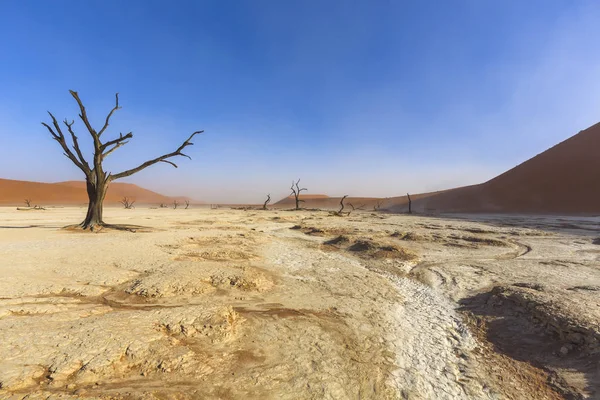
(110, 115)
(116, 143)
(169, 162)
(118, 140)
(107, 153)
(360, 207)
(60, 138)
(162, 158)
(84, 118)
(76, 144)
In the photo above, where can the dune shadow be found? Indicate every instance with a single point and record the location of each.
(582, 226)
(515, 333)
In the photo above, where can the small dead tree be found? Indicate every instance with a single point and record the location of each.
(187, 204)
(377, 205)
(28, 202)
(175, 204)
(163, 205)
(97, 179)
(342, 205)
(296, 192)
(128, 204)
(409, 204)
(360, 207)
(267, 201)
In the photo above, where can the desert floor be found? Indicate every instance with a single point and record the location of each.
(298, 305)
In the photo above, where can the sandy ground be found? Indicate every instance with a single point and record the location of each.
(298, 305)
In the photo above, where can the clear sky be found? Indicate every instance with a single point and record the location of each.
(372, 98)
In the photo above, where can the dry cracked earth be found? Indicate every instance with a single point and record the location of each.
(232, 304)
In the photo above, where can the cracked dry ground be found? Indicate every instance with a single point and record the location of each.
(305, 305)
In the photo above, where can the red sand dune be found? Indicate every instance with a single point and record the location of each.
(73, 192)
(564, 179)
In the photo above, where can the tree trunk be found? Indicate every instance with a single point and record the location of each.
(96, 193)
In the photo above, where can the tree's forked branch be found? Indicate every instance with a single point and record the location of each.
(110, 115)
(76, 143)
(84, 118)
(60, 138)
(118, 140)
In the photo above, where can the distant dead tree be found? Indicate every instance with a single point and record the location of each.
(296, 192)
(267, 201)
(175, 204)
(409, 204)
(97, 179)
(128, 204)
(377, 205)
(28, 202)
(163, 205)
(342, 205)
(187, 204)
(360, 207)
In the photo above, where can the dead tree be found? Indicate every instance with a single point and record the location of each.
(163, 205)
(175, 204)
(360, 207)
(409, 204)
(377, 205)
(267, 201)
(296, 192)
(187, 204)
(342, 205)
(28, 202)
(96, 178)
(128, 204)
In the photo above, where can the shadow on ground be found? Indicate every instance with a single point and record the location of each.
(573, 371)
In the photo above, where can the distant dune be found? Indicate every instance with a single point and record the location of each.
(564, 179)
(14, 192)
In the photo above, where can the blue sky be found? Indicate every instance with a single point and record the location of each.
(371, 98)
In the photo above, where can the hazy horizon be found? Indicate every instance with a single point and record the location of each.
(368, 99)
